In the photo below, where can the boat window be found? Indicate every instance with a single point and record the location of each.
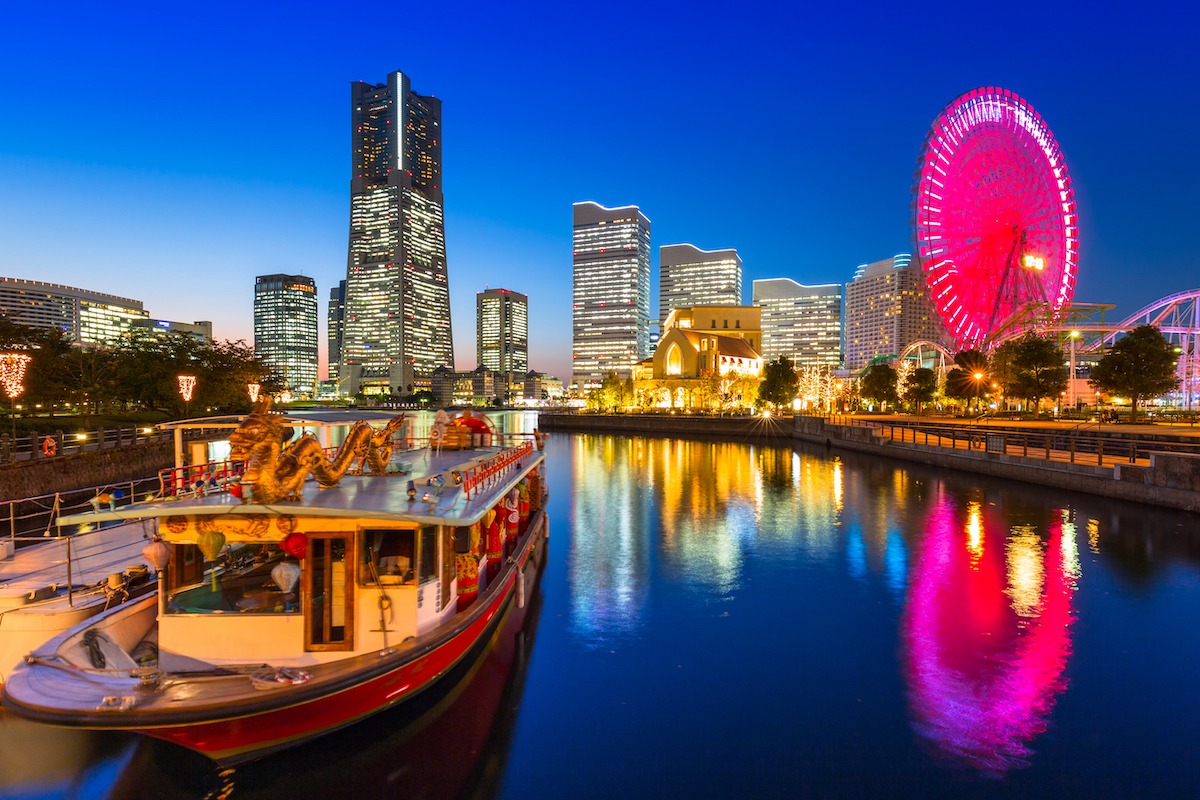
(328, 588)
(429, 554)
(247, 580)
(387, 553)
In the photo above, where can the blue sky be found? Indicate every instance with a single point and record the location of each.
(171, 152)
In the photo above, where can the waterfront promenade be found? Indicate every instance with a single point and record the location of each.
(1150, 463)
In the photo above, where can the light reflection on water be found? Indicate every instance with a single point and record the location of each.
(726, 619)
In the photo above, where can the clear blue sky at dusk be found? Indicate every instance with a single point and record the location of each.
(172, 152)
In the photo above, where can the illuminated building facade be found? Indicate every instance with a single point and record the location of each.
(502, 330)
(397, 304)
(335, 330)
(689, 276)
(803, 323)
(888, 308)
(200, 330)
(84, 317)
(611, 300)
(285, 329)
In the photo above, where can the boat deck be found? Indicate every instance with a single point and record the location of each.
(38, 572)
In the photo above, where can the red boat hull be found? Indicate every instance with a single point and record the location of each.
(236, 739)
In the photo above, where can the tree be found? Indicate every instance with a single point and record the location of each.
(879, 384)
(1140, 365)
(970, 376)
(1040, 371)
(780, 383)
(922, 386)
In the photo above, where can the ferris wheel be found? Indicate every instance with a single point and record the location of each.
(995, 217)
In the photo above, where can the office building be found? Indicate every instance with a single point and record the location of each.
(611, 299)
(502, 330)
(397, 312)
(335, 330)
(201, 330)
(85, 317)
(888, 308)
(803, 323)
(285, 329)
(689, 276)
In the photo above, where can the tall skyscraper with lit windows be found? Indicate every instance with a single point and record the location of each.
(801, 322)
(502, 330)
(689, 277)
(335, 331)
(285, 328)
(397, 314)
(611, 299)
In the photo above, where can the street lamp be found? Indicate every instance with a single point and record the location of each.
(978, 376)
(1071, 385)
(187, 384)
(12, 376)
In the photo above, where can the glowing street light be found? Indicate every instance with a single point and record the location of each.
(12, 377)
(978, 376)
(252, 389)
(187, 385)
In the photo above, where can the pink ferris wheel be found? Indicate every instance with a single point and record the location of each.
(995, 218)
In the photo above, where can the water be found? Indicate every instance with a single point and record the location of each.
(729, 620)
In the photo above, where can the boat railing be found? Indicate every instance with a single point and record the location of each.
(29, 518)
(200, 479)
(490, 471)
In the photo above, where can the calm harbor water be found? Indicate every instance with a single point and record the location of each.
(731, 620)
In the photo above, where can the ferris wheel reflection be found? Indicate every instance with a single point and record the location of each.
(987, 633)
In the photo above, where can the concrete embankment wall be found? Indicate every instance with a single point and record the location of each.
(96, 468)
(1172, 480)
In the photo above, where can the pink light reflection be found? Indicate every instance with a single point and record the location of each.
(982, 679)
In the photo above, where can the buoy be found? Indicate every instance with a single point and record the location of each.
(49, 447)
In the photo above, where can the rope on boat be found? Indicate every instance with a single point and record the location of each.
(91, 642)
(272, 677)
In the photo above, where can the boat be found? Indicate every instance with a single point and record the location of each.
(325, 586)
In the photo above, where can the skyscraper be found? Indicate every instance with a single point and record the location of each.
(502, 330)
(397, 329)
(801, 322)
(689, 276)
(888, 308)
(285, 328)
(611, 303)
(335, 331)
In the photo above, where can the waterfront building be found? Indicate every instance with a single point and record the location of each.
(502, 330)
(541, 387)
(85, 317)
(803, 323)
(201, 330)
(611, 294)
(708, 357)
(689, 276)
(335, 330)
(888, 308)
(397, 304)
(285, 329)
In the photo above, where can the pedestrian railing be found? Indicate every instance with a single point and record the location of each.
(1072, 445)
(34, 446)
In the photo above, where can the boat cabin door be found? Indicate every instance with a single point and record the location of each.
(328, 592)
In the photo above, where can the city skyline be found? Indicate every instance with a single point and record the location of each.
(182, 208)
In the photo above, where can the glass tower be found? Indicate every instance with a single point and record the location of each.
(611, 300)
(801, 322)
(335, 330)
(285, 328)
(502, 330)
(397, 313)
(689, 276)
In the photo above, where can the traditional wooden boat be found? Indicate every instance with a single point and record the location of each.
(303, 606)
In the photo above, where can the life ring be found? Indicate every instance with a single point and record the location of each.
(49, 447)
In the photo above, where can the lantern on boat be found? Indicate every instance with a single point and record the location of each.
(210, 544)
(294, 544)
(512, 518)
(158, 553)
(492, 541)
(523, 504)
(467, 572)
(285, 574)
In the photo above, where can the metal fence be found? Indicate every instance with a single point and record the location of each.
(34, 446)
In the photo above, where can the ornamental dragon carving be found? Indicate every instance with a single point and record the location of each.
(275, 471)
